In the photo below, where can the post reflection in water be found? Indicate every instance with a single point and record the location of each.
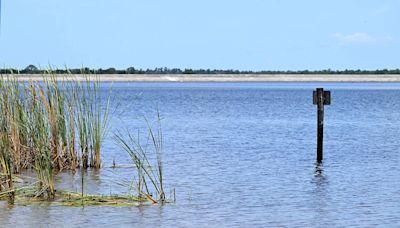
(319, 168)
(320, 195)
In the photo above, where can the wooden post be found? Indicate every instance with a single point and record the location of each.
(320, 120)
(321, 98)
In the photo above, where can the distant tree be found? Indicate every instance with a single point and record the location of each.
(188, 71)
(110, 70)
(31, 69)
(85, 70)
(130, 70)
(75, 71)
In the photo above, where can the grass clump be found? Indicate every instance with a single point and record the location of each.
(147, 159)
(59, 124)
(40, 122)
(91, 122)
(28, 195)
(6, 174)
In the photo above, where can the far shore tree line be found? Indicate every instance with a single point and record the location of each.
(32, 69)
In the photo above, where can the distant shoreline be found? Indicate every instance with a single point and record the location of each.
(222, 77)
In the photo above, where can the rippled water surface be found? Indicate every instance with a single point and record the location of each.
(242, 154)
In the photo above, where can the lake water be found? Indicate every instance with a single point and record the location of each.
(243, 155)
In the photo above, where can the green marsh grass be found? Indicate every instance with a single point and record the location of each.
(42, 123)
(59, 124)
(149, 173)
(6, 175)
(91, 121)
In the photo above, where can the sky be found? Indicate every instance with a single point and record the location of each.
(216, 34)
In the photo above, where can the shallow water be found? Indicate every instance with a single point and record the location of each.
(242, 154)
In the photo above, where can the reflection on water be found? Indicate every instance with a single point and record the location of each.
(319, 168)
(240, 155)
(320, 196)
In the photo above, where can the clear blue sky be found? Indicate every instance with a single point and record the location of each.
(228, 34)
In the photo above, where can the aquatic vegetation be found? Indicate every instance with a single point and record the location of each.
(27, 195)
(6, 161)
(42, 126)
(40, 122)
(149, 175)
(6, 177)
(91, 122)
(42, 149)
(98, 121)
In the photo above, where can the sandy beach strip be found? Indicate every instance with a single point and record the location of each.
(222, 77)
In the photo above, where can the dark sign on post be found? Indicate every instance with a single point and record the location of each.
(327, 97)
(321, 98)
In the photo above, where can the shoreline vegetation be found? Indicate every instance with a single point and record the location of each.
(32, 73)
(131, 74)
(51, 125)
(32, 69)
(215, 77)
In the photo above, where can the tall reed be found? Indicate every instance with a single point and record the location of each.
(6, 180)
(42, 138)
(149, 174)
(99, 122)
(92, 120)
(6, 161)
(42, 123)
